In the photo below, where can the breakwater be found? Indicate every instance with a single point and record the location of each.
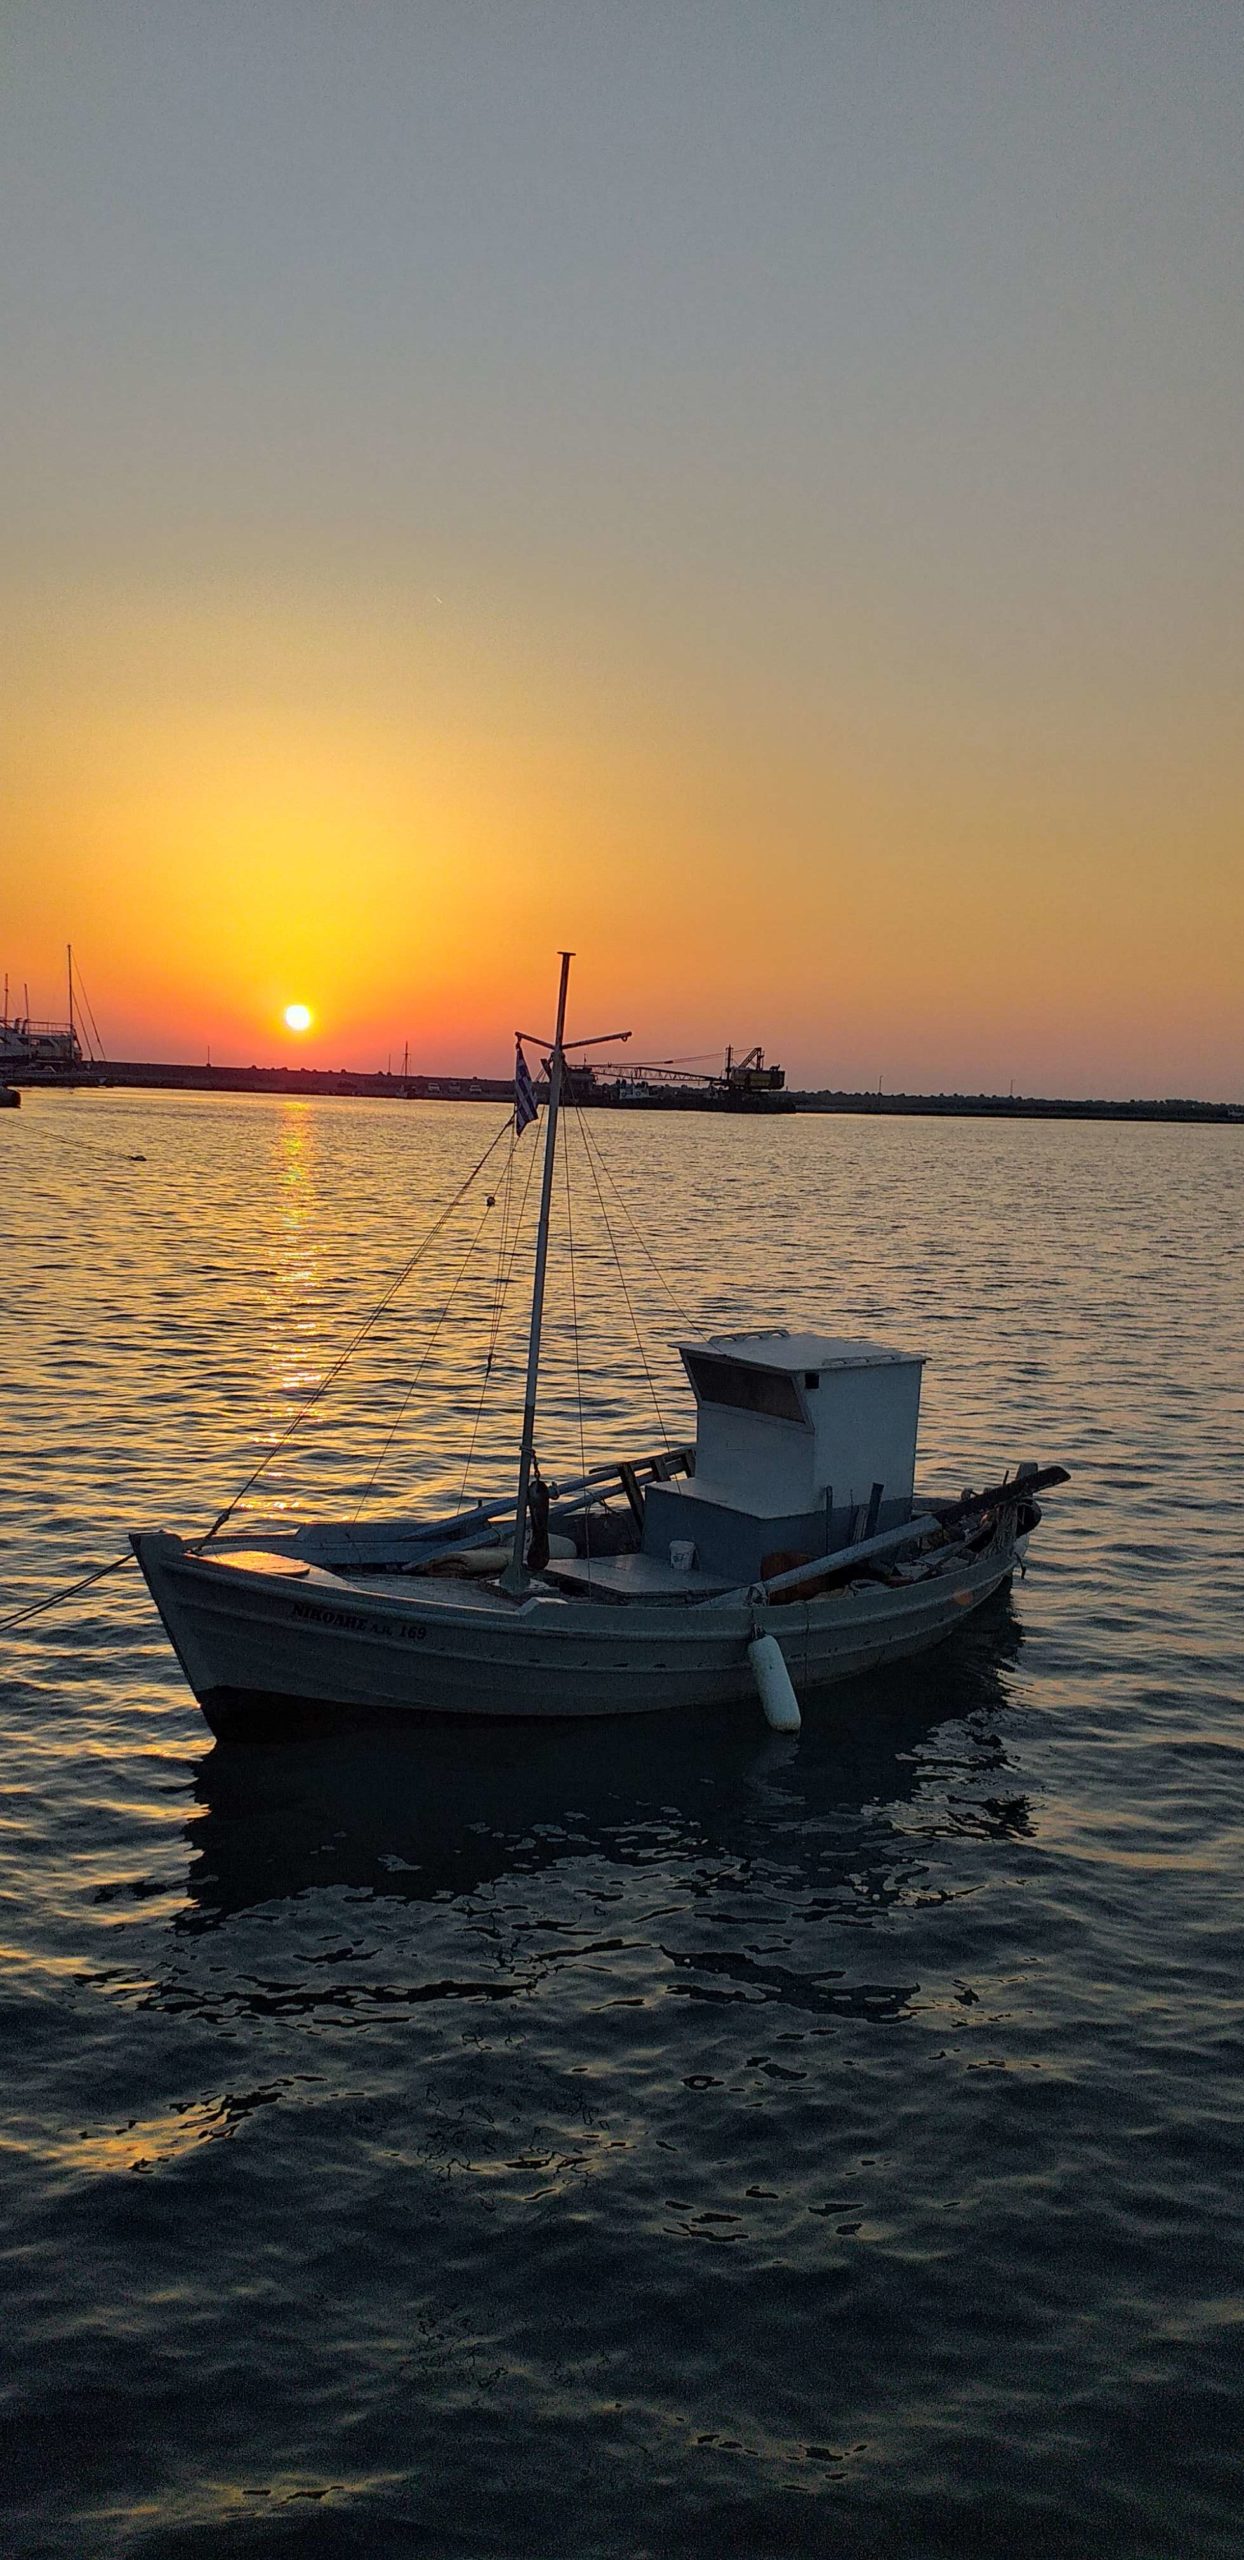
(162, 1076)
(176, 1077)
(1013, 1106)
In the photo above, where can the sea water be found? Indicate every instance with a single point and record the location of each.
(644, 2139)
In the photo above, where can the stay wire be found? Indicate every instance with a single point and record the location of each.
(360, 1337)
(420, 1366)
(115, 1564)
(676, 1303)
(578, 1373)
(494, 1325)
(498, 1292)
(639, 1340)
(504, 1277)
(510, 1238)
(70, 1591)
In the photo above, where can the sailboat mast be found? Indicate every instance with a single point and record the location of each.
(515, 1577)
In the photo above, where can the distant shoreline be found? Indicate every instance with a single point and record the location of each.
(1012, 1106)
(150, 1075)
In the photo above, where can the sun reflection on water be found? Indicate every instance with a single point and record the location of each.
(293, 1300)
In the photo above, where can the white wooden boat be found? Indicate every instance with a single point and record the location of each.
(784, 1551)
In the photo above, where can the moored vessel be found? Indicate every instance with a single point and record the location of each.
(785, 1549)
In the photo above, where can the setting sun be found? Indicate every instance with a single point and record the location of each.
(297, 1017)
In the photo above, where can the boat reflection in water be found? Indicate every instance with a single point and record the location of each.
(426, 1815)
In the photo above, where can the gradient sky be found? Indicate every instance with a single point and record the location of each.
(751, 492)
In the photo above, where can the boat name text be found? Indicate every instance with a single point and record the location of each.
(354, 1624)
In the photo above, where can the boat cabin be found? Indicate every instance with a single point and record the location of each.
(804, 1442)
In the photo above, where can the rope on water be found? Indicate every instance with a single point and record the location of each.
(68, 1591)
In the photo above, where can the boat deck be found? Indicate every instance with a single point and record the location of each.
(633, 1577)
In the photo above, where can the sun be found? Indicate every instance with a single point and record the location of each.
(297, 1017)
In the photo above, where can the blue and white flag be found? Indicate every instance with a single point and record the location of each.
(524, 1092)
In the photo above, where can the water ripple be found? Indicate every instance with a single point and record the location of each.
(638, 2141)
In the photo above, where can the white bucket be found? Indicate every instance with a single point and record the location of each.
(682, 1554)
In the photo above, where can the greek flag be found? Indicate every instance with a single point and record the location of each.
(524, 1092)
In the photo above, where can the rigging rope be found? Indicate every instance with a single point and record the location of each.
(578, 1374)
(507, 1256)
(639, 1340)
(676, 1303)
(360, 1337)
(501, 1302)
(498, 1293)
(70, 1590)
(421, 1365)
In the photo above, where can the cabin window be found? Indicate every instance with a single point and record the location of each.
(749, 1390)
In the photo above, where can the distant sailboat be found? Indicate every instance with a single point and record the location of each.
(49, 1051)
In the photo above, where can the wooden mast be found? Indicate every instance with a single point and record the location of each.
(516, 1578)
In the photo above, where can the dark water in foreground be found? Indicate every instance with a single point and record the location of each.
(652, 2140)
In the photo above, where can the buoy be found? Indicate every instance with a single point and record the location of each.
(773, 1681)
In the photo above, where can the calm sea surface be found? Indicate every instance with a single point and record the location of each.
(649, 2140)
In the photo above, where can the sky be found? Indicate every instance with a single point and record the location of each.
(752, 493)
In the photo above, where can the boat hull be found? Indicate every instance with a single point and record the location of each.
(266, 1653)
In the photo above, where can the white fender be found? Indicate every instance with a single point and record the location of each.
(773, 1681)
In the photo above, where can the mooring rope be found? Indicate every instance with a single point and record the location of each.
(69, 1591)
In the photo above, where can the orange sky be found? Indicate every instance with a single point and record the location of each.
(809, 597)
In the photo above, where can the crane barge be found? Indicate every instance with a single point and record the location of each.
(741, 1083)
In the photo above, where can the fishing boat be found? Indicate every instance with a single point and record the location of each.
(783, 1550)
